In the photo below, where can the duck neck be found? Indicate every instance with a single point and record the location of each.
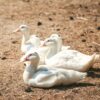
(51, 52)
(25, 37)
(29, 71)
(59, 45)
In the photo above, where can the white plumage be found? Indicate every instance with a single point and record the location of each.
(28, 41)
(60, 45)
(68, 59)
(62, 65)
(47, 77)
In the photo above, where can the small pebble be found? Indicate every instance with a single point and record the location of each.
(91, 31)
(71, 18)
(3, 58)
(82, 34)
(50, 19)
(86, 7)
(98, 28)
(80, 6)
(58, 29)
(39, 23)
(90, 46)
(14, 42)
(28, 89)
(0, 94)
(83, 40)
(12, 16)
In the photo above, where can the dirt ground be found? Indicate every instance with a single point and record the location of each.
(78, 22)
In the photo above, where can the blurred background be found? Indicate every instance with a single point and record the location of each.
(77, 21)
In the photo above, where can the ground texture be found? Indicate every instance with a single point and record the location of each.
(77, 21)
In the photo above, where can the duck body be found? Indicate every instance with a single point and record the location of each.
(71, 59)
(68, 59)
(26, 47)
(31, 43)
(45, 77)
(35, 41)
(65, 48)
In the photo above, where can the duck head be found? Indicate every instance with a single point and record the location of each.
(55, 35)
(31, 56)
(35, 40)
(22, 28)
(58, 39)
(49, 42)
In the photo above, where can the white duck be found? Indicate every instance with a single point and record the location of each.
(58, 39)
(68, 59)
(47, 77)
(57, 47)
(27, 40)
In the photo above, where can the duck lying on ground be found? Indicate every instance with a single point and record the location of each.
(68, 59)
(47, 77)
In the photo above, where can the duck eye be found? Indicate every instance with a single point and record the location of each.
(48, 41)
(30, 54)
(22, 27)
(24, 64)
(36, 35)
(59, 35)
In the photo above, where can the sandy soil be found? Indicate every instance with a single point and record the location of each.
(79, 25)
